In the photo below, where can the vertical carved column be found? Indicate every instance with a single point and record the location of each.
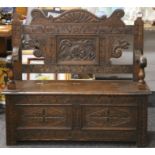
(138, 45)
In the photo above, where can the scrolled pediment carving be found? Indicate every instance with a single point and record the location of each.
(78, 16)
(118, 13)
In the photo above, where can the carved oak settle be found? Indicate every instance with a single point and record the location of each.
(77, 42)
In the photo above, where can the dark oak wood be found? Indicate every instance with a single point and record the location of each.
(90, 87)
(77, 42)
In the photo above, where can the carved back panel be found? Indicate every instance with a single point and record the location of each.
(79, 42)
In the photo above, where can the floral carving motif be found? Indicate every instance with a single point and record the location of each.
(77, 49)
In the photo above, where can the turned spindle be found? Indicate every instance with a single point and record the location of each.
(141, 74)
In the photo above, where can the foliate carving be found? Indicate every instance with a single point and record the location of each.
(73, 43)
(77, 50)
(78, 28)
(118, 47)
(29, 44)
(76, 22)
(78, 16)
(34, 45)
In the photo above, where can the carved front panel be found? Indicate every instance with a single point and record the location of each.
(77, 50)
(53, 117)
(115, 118)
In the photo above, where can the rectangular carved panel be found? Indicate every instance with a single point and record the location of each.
(77, 50)
(53, 117)
(107, 117)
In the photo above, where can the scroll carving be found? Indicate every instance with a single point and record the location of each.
(34, 45)
(78, 41)
(76, 22)
(118, 47)
(78, 16)
(79, 28)
(115, 19)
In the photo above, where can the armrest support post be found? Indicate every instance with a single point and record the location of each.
(142, 64)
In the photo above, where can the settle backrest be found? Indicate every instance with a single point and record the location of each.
(78, 42)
